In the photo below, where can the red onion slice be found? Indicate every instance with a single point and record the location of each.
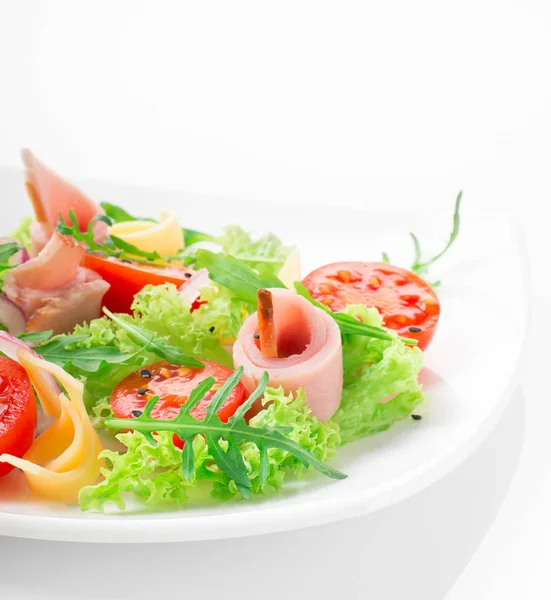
(9, 345)
(12, 316)
(191, 289)
(19, 257)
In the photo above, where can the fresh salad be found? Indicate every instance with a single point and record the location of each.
(143, 365)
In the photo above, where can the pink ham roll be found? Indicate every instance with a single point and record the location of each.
(309, 346)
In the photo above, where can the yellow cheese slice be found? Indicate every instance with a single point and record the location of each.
(164, 237)
(290, 271)
(64, 458)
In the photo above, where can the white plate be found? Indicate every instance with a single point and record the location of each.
(472, 367)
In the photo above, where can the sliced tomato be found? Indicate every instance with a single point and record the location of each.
(173, 384)
(128, 278)
(17, 411)
(407, 302)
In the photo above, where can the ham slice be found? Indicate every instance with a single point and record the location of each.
(56, 266)
(53, 290)
(310, 353)
(51, 196)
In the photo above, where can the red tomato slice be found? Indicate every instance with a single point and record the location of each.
(173, 384)
(127, 279)
(408, 304)
(17, 411)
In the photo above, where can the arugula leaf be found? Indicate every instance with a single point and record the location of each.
(61, 351)
(235, 275)
(7, 250)
(36, 338)
(223, 439)
(350, 325)
(119, 215)
(171, 353)
(420, 267)
(112, 245)
(133, 251)
(104, 219)
(191, 236)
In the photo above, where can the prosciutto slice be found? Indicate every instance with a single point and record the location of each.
(310, 353)
(51, 196)
(53, 290)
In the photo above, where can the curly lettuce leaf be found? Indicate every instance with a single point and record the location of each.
(23, 232)
(380, 380)
(154, 476)
(158, 310)
(321, 439)
(267, 250)
(224, 311)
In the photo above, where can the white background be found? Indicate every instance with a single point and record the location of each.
(398, 104)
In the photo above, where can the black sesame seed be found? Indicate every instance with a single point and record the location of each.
(415, 329)
(145, 373)
(256, 336)
(211, 329)
(128, 262)
(143, 392)
(187, 275)
(137, 413)
(416, 417)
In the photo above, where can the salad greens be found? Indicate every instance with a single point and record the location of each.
(157, 311)
(228, 459)
(119, 215)
(7, 250)
(153, 472)
(111, 245)
(380, 380)
(421, 267)
(23, 232)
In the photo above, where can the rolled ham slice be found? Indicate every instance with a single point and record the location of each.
(310, 353)
(51, 196)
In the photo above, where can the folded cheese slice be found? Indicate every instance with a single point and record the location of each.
(64, 458)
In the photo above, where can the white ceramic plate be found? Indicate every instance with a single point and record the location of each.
(471, 367)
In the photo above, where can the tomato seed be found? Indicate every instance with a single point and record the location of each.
(328, 301)
(344, 276)
(375, 282)
(401, 319)
(184, 371)
(216, 387)
(165, 373)
(325, 288)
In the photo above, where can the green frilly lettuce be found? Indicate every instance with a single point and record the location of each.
(153, 475)
(159, 310)
(380, 380)
(223, 310)
(23, 232)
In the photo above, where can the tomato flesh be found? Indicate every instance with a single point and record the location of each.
(17, 411)
(408, 304)
(173, 384)
(127, 279)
